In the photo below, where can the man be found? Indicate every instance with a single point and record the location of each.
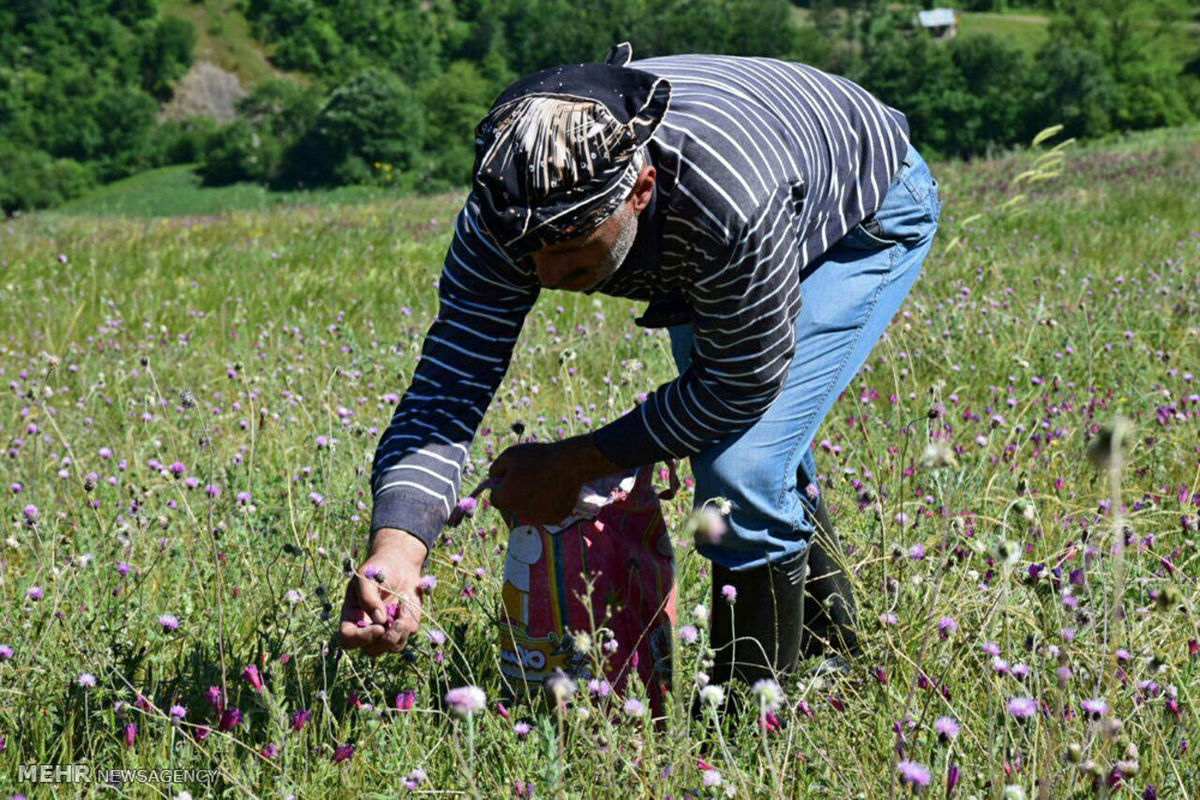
(773, 216)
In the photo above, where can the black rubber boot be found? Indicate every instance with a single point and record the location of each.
(829, 603)
(758, 635)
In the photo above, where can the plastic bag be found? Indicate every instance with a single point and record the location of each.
(617, 539)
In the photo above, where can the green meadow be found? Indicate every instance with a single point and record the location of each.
(172, 355)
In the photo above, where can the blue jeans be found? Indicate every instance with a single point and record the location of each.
(850, 293)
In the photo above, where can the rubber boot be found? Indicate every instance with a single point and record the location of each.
(829, 598)
(758, 635)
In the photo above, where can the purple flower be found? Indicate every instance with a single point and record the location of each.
(947, 728)
(1094, 707)
(406, 700)
(946, 626)
(31, 514)
(250, 673)
(634, 708)
(230, 719)
(177, 469)
(953, 776)
(322, 442)
(916, 552)
(466, 700)
(300, 719)
(178, 712)
(913, 773)
(1022, 708)
(131, 732)
(344, 752)
(729, 593)
(991, 648)
(888, 618)
(87, 680)
(168, 622)
(35, 593)
(270, 750)
(215, 696)
(467, 505)
(598, 687)
(414, 779)
(319, 500)
(428, 584)
(521, 729)
(688, 634)
(6, 652)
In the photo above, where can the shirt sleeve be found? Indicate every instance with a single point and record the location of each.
(744, 310)
(483, 298)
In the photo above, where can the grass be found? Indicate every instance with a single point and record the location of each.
(176, 191)
(1033, 330)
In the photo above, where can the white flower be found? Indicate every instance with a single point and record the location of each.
(712, 694)
(466, 700)
(769, 693)
(700, 613)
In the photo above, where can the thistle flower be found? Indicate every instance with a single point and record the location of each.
(168, 622)
(634, 708)
(913, 774)
(711, 778)
(1094, 707)
(688, 634)
(270, 750)
(769, 693)
(947, 728)
(35, 593)
(729, 593)
(250, 673)
(428, 584)
(466, 700)
(467, 506)
(1022, 708)
(31, 514)
(713, 695)
(599, 688)
(560, 686)
(131, 732)
(406, 700)
(344, 752)
(414, 779)
(87, 680)
(178, 712)
(521, 729)
(946, 626)
(230, 719)
(300, 719)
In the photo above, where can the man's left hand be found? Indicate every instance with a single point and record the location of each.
(539, 483)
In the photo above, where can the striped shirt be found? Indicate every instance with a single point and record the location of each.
(761, 166)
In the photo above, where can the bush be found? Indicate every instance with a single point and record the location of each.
(32, 179)
(239, 152)
(372, 117)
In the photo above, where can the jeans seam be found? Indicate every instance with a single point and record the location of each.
(849, 349)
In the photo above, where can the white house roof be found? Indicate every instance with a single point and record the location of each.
(936, 18)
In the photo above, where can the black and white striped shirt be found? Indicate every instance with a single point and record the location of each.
(761, 166)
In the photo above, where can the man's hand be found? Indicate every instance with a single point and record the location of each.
(390, 576)
(539, 483)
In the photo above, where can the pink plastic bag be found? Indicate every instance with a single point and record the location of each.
(618, 539)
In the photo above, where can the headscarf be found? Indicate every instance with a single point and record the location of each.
(561, 149)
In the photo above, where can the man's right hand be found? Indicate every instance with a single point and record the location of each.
(397, 557)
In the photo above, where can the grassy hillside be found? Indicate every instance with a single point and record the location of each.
(223, 37)
(131, 586)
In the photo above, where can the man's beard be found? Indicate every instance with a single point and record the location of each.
(620, 249)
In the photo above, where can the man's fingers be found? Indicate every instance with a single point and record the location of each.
(370, 600)
(354, 637)
(498, 467)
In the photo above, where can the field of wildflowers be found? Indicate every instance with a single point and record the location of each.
(190, 407)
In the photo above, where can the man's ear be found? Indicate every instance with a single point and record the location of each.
(643, 188)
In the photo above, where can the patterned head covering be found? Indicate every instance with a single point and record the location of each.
(560, 150)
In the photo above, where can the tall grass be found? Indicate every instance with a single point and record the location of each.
(192, 406)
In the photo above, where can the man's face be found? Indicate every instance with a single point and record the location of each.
(581, 263)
